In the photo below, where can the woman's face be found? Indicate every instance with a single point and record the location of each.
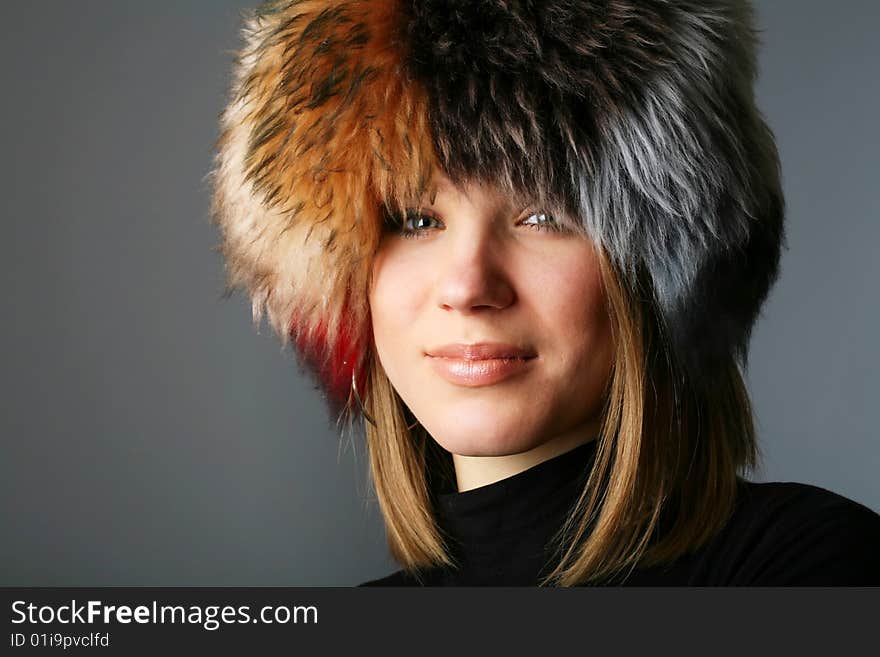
(474, 268)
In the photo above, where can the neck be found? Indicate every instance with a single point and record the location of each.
(475, 471)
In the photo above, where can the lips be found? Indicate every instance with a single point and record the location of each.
(482, 364)
(480, 351)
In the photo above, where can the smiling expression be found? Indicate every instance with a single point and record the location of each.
(490, 320)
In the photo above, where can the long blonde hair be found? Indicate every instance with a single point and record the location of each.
(663, 481)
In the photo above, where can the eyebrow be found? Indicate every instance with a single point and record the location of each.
(439, 186)
(434, 189)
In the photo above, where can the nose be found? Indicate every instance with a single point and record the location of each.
(475, 275)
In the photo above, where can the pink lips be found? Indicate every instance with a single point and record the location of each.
(479, 364)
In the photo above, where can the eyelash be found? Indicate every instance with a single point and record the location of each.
(399, 227)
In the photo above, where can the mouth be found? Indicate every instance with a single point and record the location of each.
(477, 372)
(482, 351)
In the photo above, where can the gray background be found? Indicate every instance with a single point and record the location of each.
(151, 437)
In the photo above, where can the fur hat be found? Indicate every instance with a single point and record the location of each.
(635, 117)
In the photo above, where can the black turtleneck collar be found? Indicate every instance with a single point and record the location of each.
(500, 532)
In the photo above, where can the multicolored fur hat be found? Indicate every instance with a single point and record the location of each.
(636, 118)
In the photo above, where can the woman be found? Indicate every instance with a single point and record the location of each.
(526, 244)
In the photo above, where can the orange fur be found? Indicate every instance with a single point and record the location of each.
(313, 143)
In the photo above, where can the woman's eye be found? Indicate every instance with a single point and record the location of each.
(543, 221)
(414, 225)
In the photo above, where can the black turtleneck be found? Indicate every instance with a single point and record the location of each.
(501, 531)
(781, 533)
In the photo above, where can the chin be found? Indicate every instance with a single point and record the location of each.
(484, 437)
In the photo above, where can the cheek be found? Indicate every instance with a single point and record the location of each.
(575, 302)
(392, 307)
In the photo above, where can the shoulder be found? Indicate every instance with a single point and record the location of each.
(398, 578)
(789, 533)
(802, 505)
